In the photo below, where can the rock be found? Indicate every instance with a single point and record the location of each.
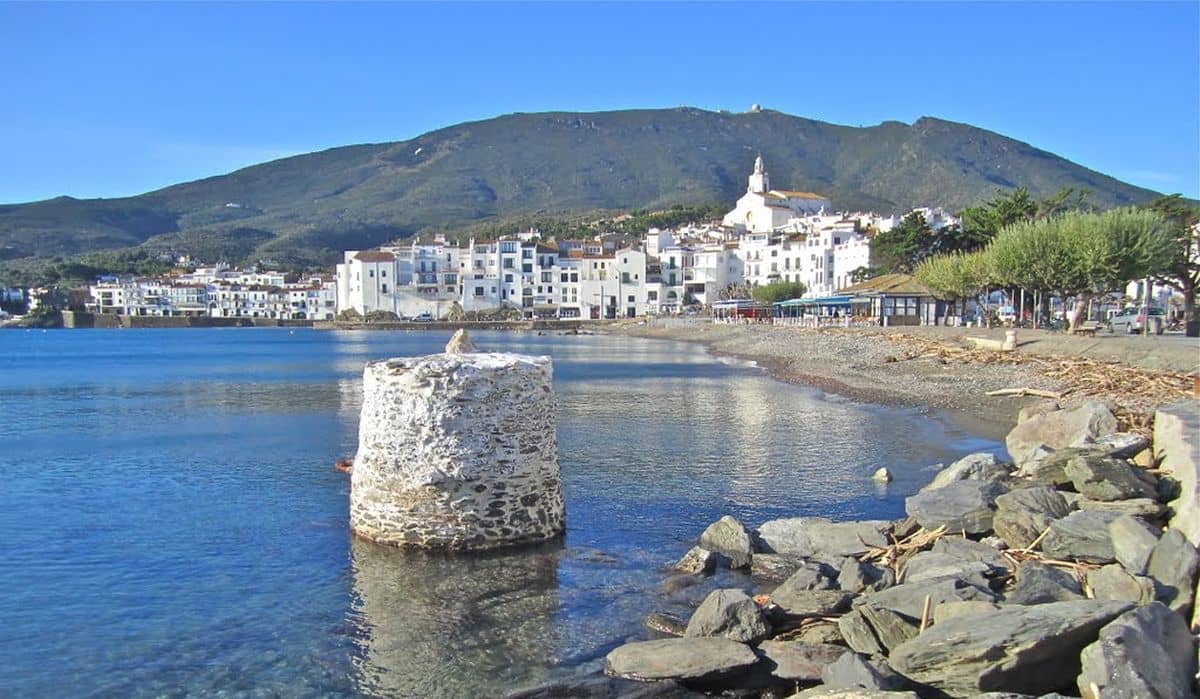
(826, 633)
(862, 576)
(809, 575)
(729, 538)
(698, 660)
(1138, 507)
(1076, 427)
(1108, 478)
(1038, 408)
(666, 624)
(909, 599)
(799, 662)
(1022, 515)
(882, 475)
(959, 506)
(979, 467)
(1112, 582)
(812, 602)
(460, 343)
(1177, 449)
(824, 692)
(852, 670)
(1038, 583)
(773, 567)
(728, 614)
(1051, 469)
(858, 634)
(1133, 541)
(1081, 536)
(678, 583)
(931, 565)
(1173, 566)
(457, 451)
(950, 610)
(968, 550)
(605, 688)
(1123, 445)
(904, 528)
(1146, 652)
(889, 627)
(697, 560)
(1032, 649)
(820, 538)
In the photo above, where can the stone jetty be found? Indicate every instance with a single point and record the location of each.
(1071, 572)
(457, 451)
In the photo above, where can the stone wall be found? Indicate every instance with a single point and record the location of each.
(457, 451)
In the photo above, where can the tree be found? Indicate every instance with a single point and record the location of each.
(778, 291)
(957, 276)
(1182, 271)
(904, 246)
(350, 315)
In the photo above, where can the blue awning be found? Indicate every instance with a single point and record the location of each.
(823, 301)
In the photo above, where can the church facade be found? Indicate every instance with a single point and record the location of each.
(765, 210)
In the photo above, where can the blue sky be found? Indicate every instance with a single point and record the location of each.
(112, 100)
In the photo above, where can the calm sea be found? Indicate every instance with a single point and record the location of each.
(170, 522)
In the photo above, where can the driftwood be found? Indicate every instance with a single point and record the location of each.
(1025, 392)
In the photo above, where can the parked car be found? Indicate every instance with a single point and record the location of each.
(1006, 315)
(1132, 320)
(423, 318)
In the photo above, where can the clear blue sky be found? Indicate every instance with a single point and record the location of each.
(111, 100)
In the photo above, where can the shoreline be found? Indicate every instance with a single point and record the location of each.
(883, 366)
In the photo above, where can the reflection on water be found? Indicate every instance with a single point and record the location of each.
(172, 524)
(454, 626)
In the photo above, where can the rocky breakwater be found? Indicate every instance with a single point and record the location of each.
(1071, 571)
(457, 451)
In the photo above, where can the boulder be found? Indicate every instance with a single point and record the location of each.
(1138, 507)
(809, 575)
(863, 576)
(931, 565)
(1146, 652)
(820, 538)
(1177, 449)
(1081, 536)
(1112, 582)
(1022, 515)
(693, 660)
(1051, 468)
(882, 475)
(853, 670)
(949, 610)
(979, 467)
(728, 614)
(1039, 408)
(1123, 445)
(812, 602)
(968, 550)
(773, 567)
(1133, 541)
(665, 624)
(729, 538)
(698, 561)
(824, 692)
(1108, 478)
(960, 506)
(1173, 566)
(820, 634)
(798, 662)
(1032, 649)
(1075, 427)
(889, 627)
(600, 687)
(1038, 583)
(909, 599)
(858, 634)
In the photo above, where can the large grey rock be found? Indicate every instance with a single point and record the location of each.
(863, 576)
(809, 575)
(856, 631)
(1123, 444)
(1051, 468)
(1113, 582)
(889, 627)
(1108, 478)
(698, 660)
(1146, 652)
(1022, 515)
(773, 567)
(950, 610)
(818, 634)
(1017, 649)
(824, 692)
(1076, 427)
(1038, 583)
(979, 467)
(931, 565)
(1138, 507)
(729, 614)
(799, 662)
(959, 506)
(812, 602)
(909, 599)
(1173, 566)
(600, 687)
(820, 538)
(1177, 449)
(853, 670)
(729, 538)
(969, 550)
(1133, 541)
(698, 561)
(1081, 536)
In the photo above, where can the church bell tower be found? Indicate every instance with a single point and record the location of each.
(760, 182)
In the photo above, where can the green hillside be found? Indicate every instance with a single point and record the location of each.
(306, 209)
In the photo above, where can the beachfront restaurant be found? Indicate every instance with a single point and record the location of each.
(818, 309)
(895, 299)
(743, 310)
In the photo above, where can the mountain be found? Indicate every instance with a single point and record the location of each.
(306, 209)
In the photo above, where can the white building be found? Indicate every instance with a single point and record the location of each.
(763, 210)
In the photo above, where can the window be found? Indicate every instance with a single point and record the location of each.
(564, 277)
(631, 299)
(508, 278)
(384, 288)
(371, 273)
(478, 264)
(508, 263)
(383, 273)
(527, 268)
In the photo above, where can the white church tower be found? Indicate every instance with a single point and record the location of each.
(760, 182)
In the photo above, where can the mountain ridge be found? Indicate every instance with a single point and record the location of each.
(305, 209)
